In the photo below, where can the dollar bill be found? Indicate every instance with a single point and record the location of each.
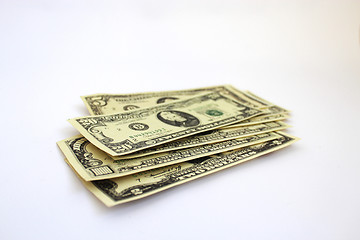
(124, 189)
(93, 164)
(124, 133)
(212, 136)
(101, 104)
(270, 106)
(264, 118)
(98, 104)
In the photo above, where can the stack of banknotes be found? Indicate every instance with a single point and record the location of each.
(135, 145)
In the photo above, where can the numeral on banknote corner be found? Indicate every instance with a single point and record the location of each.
(97, 101)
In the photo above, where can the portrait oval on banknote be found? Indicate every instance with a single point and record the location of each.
(178, 119)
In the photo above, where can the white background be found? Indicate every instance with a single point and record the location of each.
(302, 55)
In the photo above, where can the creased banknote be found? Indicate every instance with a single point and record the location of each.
(100, 104)
(212, 136)
(263, 118)
(270, 106)
(124, 189)
(93, 164)
(124, 133)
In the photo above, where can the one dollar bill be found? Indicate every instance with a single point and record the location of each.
(124, 189)
(124, 133)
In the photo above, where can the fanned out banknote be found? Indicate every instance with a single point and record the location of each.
(124, 189)
(212, 136)
(100, 104)
(124, 133)
(135, 145)
(93, 164)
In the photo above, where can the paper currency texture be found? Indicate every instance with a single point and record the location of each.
(124, 133)
(124, 189)
(93, 164)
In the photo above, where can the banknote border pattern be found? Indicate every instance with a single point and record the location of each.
(108, 187)
(193, 151)
(96, 102)
(89, 125)
(82, 155)
(214, 134)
